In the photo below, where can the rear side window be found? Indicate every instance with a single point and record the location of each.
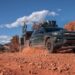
(41, 30)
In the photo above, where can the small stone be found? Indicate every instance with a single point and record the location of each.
(63, 68)
(1, 73)
(29, 71)
(25, 62)
(32, 72)
(31, 64)
(39, 66)
(53, 66)
(19, 66)
(8, 64)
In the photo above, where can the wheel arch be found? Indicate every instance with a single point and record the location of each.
(46, 38)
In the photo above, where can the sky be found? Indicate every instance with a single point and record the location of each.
(14, 12)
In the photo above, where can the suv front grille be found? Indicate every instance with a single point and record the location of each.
(69, 36)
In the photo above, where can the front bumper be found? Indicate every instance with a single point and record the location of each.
(69, 42)
(65, 42)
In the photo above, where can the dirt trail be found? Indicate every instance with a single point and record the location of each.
(37, 61)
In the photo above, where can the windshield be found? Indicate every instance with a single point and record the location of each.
(54, 29)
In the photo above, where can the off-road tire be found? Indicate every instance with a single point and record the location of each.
(50, 45)
(30, 44)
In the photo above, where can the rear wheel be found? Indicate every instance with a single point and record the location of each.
(30, 44)
(50, 45)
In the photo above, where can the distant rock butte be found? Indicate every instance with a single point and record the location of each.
(70, 26)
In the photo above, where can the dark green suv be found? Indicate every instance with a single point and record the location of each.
(52, 38)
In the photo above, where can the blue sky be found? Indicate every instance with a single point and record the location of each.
(11, 10)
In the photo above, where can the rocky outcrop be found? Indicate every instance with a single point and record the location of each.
(70, 26)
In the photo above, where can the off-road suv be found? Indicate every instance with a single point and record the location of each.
(52, 38)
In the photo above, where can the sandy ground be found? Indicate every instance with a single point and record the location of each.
(37, 61)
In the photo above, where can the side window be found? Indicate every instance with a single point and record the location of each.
(36, 32)
(41, 30)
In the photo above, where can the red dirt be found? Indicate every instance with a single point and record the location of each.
(36, 61)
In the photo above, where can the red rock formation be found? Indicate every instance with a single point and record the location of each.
(15, 43)
(70, 26)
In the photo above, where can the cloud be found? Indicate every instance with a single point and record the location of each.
(59, 10)
(53, 14)
(37, 16)
(1, 26)
(4, 39)
(14, 24)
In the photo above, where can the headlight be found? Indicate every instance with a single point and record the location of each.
(55, 33)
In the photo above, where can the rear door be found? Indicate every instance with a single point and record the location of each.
(38, 37)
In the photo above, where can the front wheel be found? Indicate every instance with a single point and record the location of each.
(50, 45)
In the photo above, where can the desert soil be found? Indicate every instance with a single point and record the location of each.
(37, 61)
